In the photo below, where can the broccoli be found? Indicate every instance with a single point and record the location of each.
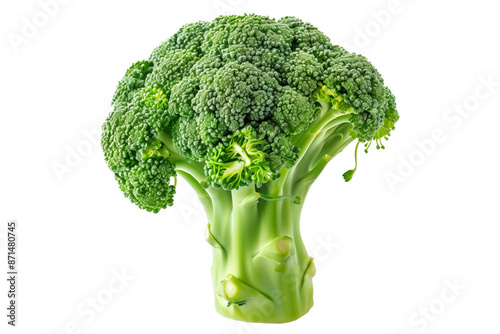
(248, 110)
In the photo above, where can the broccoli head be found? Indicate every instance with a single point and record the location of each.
(248, 110)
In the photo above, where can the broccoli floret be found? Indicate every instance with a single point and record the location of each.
(182, 95)
(302, 71)
(174, 66)
(358, 82)
(241, 162)
(249, 110)
(148, 184)
(134, 78)
(294, 112)
(188, 140)
(190, 37)
(242, 93)
(359, 85)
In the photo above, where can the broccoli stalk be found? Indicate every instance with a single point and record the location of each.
(249, 111)
(261, 271)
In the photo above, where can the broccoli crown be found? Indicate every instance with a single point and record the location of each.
(233, 94)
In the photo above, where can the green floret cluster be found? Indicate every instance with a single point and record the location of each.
(247, 109)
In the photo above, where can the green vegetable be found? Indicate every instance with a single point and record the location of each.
(249, 110)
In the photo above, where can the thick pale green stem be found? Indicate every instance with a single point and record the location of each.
(260, 269)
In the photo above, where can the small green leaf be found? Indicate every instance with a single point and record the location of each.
(348, 175)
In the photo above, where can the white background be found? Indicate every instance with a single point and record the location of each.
(384, 253)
